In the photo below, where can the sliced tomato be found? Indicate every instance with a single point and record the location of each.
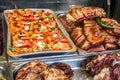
(43, 40)
(55, 39)
(25, 38)
(40, 32)
(47, 13)
(55, 32)
(26, 45)
(46, 40)
(64, 40)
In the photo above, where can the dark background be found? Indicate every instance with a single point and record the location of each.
(52, 4)
(62, 5)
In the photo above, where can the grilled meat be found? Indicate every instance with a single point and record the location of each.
(97, 48)
(23, 75)
(93, 33)
(90, 35)
(110, 41)
(78, 36)
(113, 23)
(86, 45)
(54, 74)
(115, 72)
(105, 66)
(80, 40)
(109, 73)
(67, 26)
(110, 46)
(38, 70)
(103, 75)
(31, 71)
(34, 66)
(101, 61)
(118, 42)
(78, 14)
(64, 67)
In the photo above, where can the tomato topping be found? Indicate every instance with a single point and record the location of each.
(26, 45)
(64, 40)
(25, 38)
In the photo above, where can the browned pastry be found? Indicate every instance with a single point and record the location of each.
(113, 23)
(92, 32)
(78, 14)
(64, 67)
(54, 74)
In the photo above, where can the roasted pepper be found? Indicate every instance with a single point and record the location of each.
(102, 24)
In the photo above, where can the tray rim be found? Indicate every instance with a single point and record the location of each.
(79, 50)
(54, 60)
(74, 48)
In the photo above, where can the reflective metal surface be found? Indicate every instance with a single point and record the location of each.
(4, 71)
(77, 64)
(74, 62)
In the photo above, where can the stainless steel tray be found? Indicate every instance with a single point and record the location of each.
(45, 53)
(74, 62)
(79, 50)
(3, 55)
(77, 64)
(4, 71)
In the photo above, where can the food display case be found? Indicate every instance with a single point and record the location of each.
(59, 40)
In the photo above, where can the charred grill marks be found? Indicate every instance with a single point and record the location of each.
(76, 14)
(85, 31)
(92, 32)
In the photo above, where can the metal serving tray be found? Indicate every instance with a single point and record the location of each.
(3, 55)
(4, 71)
(77, 64)
(45, 53)
(79, 50)
(74, 62)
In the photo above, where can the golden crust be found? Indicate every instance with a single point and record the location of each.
(54, 74)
